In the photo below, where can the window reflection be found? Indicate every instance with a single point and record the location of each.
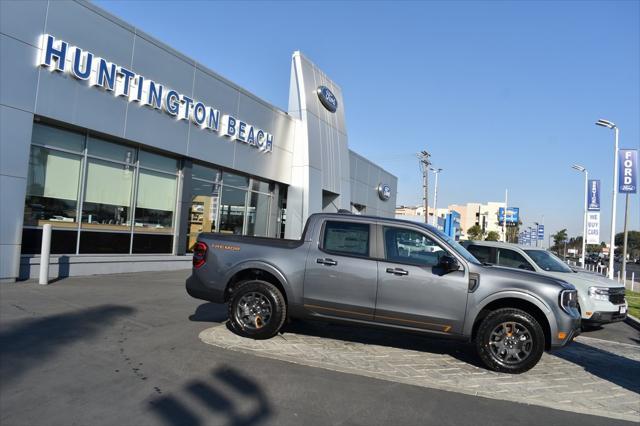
(156, 201)
(232, 210)
(107, 196)
(52, 188)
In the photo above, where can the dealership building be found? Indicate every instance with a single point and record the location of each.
(129, 149)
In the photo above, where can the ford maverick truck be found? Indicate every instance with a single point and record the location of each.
(390, 273)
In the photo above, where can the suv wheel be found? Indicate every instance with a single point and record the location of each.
(510, 341)
(256, 310)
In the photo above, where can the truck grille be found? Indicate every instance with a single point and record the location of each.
(616, 295)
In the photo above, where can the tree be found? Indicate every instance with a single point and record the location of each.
(633, 242)
(475, 232)
(492, 236)
(560, 237)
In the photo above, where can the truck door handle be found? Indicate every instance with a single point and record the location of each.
(397, 271)
(327, 261)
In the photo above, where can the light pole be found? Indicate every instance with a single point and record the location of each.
(435, 197)
(610, 125)
(584, 170)
(423, 156)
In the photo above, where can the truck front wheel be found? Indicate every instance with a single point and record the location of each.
(257, 309)
(510, 341)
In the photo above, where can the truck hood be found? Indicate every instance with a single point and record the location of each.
(584, 280)
(528, 277)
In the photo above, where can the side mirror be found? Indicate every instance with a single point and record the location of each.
(448, 264)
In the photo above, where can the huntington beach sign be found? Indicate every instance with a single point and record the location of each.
(58, 55)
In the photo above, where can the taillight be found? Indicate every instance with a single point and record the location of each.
(199, 254)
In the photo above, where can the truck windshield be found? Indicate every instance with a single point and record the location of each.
(548, 261)
(455, 245)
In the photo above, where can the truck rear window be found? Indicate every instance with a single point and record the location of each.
(346, 237)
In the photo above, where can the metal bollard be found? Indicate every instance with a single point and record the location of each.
(633, 279)
(618, 276)
(44, 255)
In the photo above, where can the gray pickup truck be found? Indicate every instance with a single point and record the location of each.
(385, 272)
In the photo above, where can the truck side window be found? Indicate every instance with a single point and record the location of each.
(348, 238)
(482, 253)
(407, 246)
(512, 259)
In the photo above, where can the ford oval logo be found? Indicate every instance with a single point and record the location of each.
(384, 191)
(327, 98)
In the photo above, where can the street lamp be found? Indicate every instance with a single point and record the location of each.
(584, 170)
(612, 126)
(435, 197)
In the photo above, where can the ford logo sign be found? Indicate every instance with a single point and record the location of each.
(384, 191)
(327, 98)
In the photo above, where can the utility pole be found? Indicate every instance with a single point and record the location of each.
(423, 157)
(435, 197)
(504, 219)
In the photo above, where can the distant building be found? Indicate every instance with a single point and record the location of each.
(484, 215)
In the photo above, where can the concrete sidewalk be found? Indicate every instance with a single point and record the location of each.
(124, 349)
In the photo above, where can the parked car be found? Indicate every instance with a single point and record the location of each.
(390, 273)
(600, 300)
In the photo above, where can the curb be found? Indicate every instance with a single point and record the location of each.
(632, 321)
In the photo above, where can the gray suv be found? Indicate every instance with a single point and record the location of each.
(390, 273)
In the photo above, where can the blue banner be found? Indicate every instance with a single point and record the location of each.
(513, 215)
(628, 171)
(541, 232)
(593, 195)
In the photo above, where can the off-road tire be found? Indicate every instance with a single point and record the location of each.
(278, 308)
(493, 320)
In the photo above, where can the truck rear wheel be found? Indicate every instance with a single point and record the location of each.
(257, 309)
(510, 341)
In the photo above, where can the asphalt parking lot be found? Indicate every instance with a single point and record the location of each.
(134, 349)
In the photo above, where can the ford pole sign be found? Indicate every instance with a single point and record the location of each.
(327, 98)
(384, 191)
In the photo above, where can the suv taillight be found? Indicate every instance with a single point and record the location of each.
(199, 254)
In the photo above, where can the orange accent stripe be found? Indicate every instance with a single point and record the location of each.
(445, 328)
(337, 310)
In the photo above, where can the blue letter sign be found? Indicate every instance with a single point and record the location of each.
(593, 195)
(628, 171)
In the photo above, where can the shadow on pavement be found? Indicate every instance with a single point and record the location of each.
(608, 366)
(231, 396)
(401, 340)
(30, 342)
(210, 312)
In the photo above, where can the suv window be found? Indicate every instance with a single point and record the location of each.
(512, 259)
(408, 246)
(348, 238)
(482, 253)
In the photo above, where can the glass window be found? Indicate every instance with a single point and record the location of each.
(258, 214)
(235, 180)
(232, 210)
(58, 138)
(203, 214)
(107, 196)
(63, 241)
(482, 253)
(347, 238)
(52, 188)
(409, 246)
(152, 243)
(206, 173)
(111, 151)
(104, 242)
(156, 201)
(260, 186)
(548, 261)
(512, 259)
(158, 162)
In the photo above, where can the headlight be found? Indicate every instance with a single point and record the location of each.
(599, 293)
(568, 300)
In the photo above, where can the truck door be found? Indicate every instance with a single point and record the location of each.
(411, 292)
(341, 276)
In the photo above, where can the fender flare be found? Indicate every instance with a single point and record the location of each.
(257, 264)
(507, 294)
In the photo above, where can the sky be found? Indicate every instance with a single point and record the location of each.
(504, 95)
